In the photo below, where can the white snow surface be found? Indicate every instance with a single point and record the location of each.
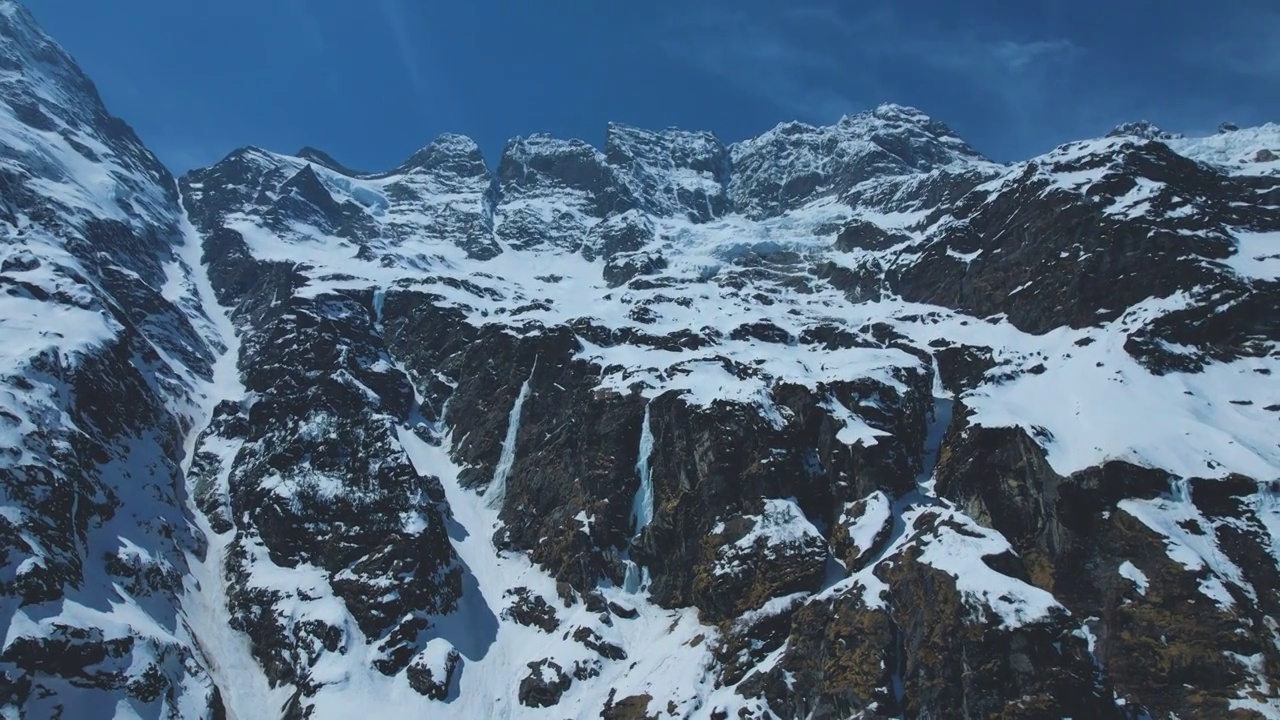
(864, 528)
(1091, 404)
(782, 521)
(669, 649)
(246, 692)
(1115, 409)
(1130, 572)
(1235, 151)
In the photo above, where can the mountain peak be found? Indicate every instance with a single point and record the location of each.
(612, 432)
(449, 153)
(916, 130)
(325, 160)
(894, 111)
(795, 162)
(672, 171)
(1142, 129)
(617, 132)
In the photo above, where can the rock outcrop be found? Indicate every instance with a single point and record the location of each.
(840, 421)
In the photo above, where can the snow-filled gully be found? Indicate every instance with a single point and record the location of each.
(245, 690)
(673, 657)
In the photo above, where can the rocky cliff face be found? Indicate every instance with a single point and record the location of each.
(834, 422)
(106, 352)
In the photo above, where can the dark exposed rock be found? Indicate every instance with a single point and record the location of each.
(865, 235)
(620, 269)
(433, 682)
(620, 234)
(1231, 324)
(304, 198)
(592, 641)
(594, 601)
(804, 517)
(1142, 129)
(831, 337)
(622, 611)
(749, 567)
(1072, 534)
(887, 142)
(324, 159)
(762, 331)
(859, 285)
(962, 367)
(586, 669)
(646, 160)
(633, 707)
(1053, 260)
(540, 163)
(544, 684)
(531, 610)
(696, 490)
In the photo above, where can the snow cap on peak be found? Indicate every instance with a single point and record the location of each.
(888, 119)
(793, 127)
(449, 153)
(249, 155)
(1142, 129)
(544, 154)
(887, 114)
(671, 172)
(542, 144)
(617, 133)
(911, 134)
(455, 142)
(671, 148)
(15, 13)
(894, 111)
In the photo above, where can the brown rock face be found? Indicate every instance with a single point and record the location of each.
(1165, 642)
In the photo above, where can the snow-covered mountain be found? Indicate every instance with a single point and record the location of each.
(836, 422)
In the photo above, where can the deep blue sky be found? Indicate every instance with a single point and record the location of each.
(370, 82)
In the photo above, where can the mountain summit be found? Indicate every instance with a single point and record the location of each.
(835, 422)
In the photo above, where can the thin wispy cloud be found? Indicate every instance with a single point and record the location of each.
(984, 62)
(745, 50)
(819, 60)
(1251, 48)
(1018, 55)
(308, 33)
(398, 25)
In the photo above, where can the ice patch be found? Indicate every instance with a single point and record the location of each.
(497, 489)
(642, 505)
(864, 529)
(1257, 255)
(1130, 572)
